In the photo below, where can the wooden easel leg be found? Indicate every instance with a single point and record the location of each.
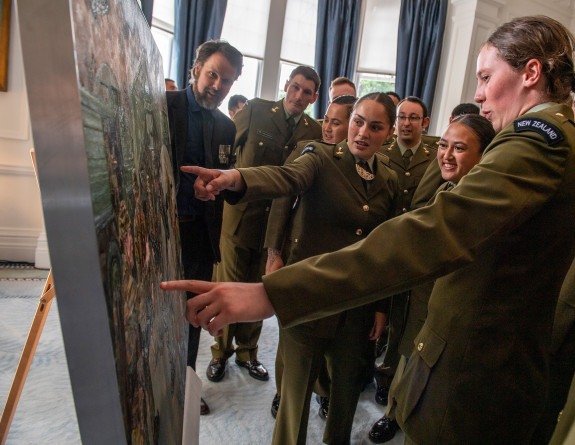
(26, 358)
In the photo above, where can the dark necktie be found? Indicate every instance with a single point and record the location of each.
(407, 157)
(291, 125)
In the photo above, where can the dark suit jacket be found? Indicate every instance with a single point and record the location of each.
(223, 133)
(262, 139)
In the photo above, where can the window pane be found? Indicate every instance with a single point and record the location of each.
(247, 83)
(246, 24)
(375, 83)
(298, 43)
(285, 70)
(378, 50)
(164, 42)
(164, 11)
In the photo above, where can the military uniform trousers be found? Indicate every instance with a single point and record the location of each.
(244, 265)
(346, 354)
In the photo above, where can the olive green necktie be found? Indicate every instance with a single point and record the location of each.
(407, 157)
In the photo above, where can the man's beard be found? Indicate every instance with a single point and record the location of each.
(201, 98)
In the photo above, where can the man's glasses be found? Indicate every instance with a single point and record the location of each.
(412, 118)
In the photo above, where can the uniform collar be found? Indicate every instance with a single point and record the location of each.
(403, 148)
(295, 118)
(540, 107)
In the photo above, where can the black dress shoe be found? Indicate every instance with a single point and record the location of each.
(383, 430)
(204, 408)
(255, 368)
(323, 406)
(275, 405)
(381, 395)
(216, 369)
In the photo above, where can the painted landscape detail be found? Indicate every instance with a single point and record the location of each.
(126, 135)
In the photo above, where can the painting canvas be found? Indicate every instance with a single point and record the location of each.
(98, 112)
(4, 42)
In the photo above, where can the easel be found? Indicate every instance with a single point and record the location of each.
(46, 299)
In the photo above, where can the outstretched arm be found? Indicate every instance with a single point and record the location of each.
(219, 304)
(210, 183)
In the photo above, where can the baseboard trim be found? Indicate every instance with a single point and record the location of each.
(18, 244)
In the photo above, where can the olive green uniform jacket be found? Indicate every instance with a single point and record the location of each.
(335, 210)
(428, 185)
(409, 177)
(562, 363)
(262, 138)
(499, 245)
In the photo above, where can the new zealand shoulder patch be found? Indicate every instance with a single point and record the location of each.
(550, 132)
(308, 149)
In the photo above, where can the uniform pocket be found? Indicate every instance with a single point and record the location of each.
(428, 348)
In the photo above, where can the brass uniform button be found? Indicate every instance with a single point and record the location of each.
(358, 232)
(366, 208)
(407, 174)
(261, 144)
(405, 192)
(419, 346)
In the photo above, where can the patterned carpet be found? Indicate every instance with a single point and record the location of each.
(240, 405)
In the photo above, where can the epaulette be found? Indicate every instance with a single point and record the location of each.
(428, 149)
(383, 158)
(551, 133)
(432, 142)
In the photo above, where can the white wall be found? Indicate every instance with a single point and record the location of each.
(469, 23)
(21, 221)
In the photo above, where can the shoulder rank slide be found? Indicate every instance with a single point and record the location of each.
(550, 132)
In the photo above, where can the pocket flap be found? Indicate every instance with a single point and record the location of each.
(428, 345)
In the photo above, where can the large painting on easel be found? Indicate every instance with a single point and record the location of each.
(98, 111)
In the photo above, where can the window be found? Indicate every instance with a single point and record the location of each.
(378, 47)
(292, 46)
(163, 31)
(250, 39)
(300, 26)
(297, 42)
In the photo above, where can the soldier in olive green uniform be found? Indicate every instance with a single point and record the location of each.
(432, 178)
(499, 245)
(334, 130)
(345, 192)
(459, 149)
(410, 157)
(266, 133)
(490, 313)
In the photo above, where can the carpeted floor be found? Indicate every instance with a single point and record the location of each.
(240, 405)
